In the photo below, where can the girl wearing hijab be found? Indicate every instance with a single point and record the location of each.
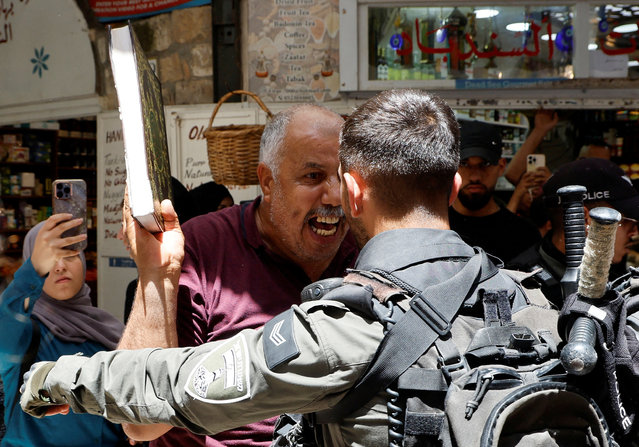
(46, 312)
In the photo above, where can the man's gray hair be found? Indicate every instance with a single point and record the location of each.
(272, 142)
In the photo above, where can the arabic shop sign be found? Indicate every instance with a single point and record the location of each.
(403, 44)
(117, 10)
(463, 43)
(509, 46)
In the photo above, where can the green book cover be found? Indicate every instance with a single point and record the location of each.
(142, 113)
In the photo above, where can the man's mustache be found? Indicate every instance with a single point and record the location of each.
(325, 211)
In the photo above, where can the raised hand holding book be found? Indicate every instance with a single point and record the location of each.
(146, 153)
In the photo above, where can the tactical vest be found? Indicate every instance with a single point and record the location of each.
(491, 373)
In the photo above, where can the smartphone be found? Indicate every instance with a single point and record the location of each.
(70, 196)
(535, 161)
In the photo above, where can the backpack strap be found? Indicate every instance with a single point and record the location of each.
(430, 316)
(383, 289)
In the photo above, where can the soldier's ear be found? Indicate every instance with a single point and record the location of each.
(454, 190)
(355, 191)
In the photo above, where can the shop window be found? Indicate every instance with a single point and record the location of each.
(506, 42)
(614, 37)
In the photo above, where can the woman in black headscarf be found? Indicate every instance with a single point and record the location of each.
(210, 196)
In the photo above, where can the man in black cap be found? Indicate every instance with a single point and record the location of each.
(476, 215)
(606, 185)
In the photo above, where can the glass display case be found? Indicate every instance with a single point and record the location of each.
(471, 45)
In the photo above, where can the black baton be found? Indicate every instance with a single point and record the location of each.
(579, 356)
(572, 200)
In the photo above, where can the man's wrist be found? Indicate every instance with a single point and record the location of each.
(35, 395)
(158, 274)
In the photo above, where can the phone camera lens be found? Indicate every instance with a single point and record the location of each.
(67, 190)
(58, 194)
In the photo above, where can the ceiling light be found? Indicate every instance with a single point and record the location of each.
(592, 46)
(633, 63)
(485, 13)
(628, 28)
(545, 36)
(518, 27)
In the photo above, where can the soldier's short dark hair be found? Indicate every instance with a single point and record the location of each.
(405, 143)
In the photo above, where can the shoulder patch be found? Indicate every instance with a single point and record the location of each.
(279, 341)
(222, 375)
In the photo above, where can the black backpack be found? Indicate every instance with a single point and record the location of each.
(469, 381)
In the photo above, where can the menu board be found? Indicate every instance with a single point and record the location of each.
(111, 181)
(293, 50)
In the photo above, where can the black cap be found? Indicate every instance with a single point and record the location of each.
(603, 180)
(479, 139)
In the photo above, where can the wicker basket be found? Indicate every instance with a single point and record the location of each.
(234, 150)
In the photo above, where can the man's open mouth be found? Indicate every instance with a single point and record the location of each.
(324, 226)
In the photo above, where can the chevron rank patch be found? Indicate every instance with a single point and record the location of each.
(222, 376)
(278, 340)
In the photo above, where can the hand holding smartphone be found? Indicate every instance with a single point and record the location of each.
(70, 196)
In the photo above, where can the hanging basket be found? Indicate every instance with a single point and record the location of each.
(234, 150)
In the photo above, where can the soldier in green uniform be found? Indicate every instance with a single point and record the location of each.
(399, 154)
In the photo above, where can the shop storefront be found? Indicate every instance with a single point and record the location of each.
(569, 53)
(500, 61)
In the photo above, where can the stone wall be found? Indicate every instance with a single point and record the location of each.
(180, 41)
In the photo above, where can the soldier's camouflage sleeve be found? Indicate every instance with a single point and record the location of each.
(301, 361)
